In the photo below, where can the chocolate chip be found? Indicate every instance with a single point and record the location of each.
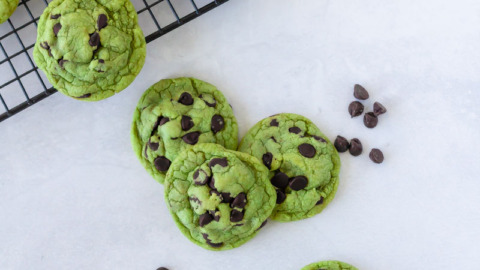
(341, 144)
(218, 161)
(273, 138)
(280, 180)
(85, 96)
(263, 224)
(240, 201)
(204, 219)
(319, 201)
(56, 16)
(102, 21)
(160, 121)
(162, 268)
(217, 123)
(211, 183)
(370, 120)
(378, 109)
(355, 109)
(56, 28)
(267, 159)
(61, 62)
(94, 40)
(298, 183)
(295, 130)
(101, 61)
(360, 92)
(318, 138)
(186, 122)
(274, 123)
(162, 164)
(355, 147)
(195, 199)
(215, 214)
(210, 104)
(214, 245)
(45, 45)
(185, 99)
(145, 154)
(226, 197)
(236, 216)
(280, 196)
(214, 191)
(153, 145)
(191, 138)
(200, 177)
(307, 150)
(376, 155)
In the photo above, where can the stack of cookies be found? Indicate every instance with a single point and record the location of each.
(185, 134)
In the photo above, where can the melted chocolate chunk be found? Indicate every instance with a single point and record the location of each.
(85, 96)
(45, 45)
(318, 138)
(320, 201)
(160, 121)
(217, 123)
(102, 21)
(56, 28)
(191, 138)
(211, 183)
(101, 61)
(267, 159)
(236, 216)
(298, 183)
(226, 197)
(153, 145)
(240, 201)
(195, 199)
(200, 177)
(210, 104)
(61, 62)
(215, 214)
(162, 164)
(94, 40)
(295, 130)
(280, 196)
(307, 150)
(214, 245)
(280, 180)
(204, 219)
(186, 123)
(218, 161)
(56, 16)
(185, 99)
(263, 224)
(274, 123)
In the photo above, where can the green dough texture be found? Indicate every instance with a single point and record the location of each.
(279, 138)
(7, 7)
(163, 125)
(209, 180)
(329, 265)
(90, 49)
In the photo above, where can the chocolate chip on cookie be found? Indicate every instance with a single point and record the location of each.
(307, 150)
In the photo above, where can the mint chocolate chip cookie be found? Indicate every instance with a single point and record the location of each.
(304, 165)
(90, 49)
(329, 265)
(7, 7)
(219, 198)
(175, 114)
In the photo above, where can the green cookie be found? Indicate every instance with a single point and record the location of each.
(90, 49)
(175, 114)
(304, 164)
(329, 265)
(7, 7)
(219, 198)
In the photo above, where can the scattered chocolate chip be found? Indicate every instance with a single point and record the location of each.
(370, 120)
(295, 130)
(214, 245)
(186, 99)
(318, 138)
(355, 147)
(191, 138)
(186, 122)
(236, 216)
(298, 183)
(101, 61)
(85, 96)
(378, 109)
(307, 150)
(355, 109)
(226, 197)
(217, 123)
(61, 62)
(56, 16)
(162, 164)
(280, 180)
(341, 144)
(274, 123)
(200, 177)
(204, 219)
(218, 161)
(376, 155)
(240, 201)
(360, 92)
(211, 183)
(102, 21)
(153, 145)
(56, 28)
(319, 201)
(94, 40)
(267, 159)
(280, 196)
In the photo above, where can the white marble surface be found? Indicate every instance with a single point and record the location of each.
(73, 195)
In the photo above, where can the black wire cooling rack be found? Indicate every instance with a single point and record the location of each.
(22, 84)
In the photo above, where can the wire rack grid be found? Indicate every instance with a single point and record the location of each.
(22, 84)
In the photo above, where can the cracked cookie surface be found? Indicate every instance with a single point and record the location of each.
(7, 7)
(218, 198)
(329, 265)
(304, 165)
(90, 49)
(174, 114)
